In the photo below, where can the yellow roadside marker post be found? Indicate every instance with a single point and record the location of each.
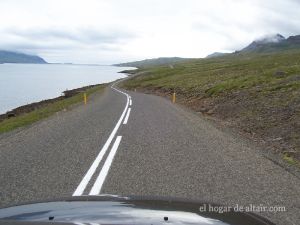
(84, 98)
(174, 97)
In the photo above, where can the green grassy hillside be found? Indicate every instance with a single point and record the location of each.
(163, 61)
(257, 93)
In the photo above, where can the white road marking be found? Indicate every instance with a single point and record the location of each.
(100, 179)
(130, 101)
(127, 116)
(81, 187)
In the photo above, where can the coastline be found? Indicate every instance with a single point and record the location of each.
(30, 113)
(23, 84)
(37, 105)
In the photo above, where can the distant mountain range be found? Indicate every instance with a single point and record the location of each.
(269, 44)
(16, 57)
(154, 62)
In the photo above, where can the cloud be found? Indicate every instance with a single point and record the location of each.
(80, 35)
(58, 41)
(62, 38)
(239, 23)
(111, 31)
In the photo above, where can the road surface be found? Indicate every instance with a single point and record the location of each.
(129, 143)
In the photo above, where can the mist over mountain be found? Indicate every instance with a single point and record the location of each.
(267, 44)
(273, 44)
(16, 57)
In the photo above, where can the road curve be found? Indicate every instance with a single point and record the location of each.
(128, 143)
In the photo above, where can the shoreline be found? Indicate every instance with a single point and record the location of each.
(37, 105)
(31, 95)
(31, 113)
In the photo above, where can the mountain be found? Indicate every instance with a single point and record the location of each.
(154, 62)
(16, 57)
(272, 44)
(268, 44)
(216, 54)
(294, 40)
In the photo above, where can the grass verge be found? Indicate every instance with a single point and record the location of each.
(290, 160)
(46, 111)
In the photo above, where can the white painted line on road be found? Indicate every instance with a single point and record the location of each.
(127, 116)
(112, 86)
(81, 187)
(100, 179)
(130, 101)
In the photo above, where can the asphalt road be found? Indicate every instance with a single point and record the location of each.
(159, 148)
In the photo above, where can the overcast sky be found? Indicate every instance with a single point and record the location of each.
(110, 31)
